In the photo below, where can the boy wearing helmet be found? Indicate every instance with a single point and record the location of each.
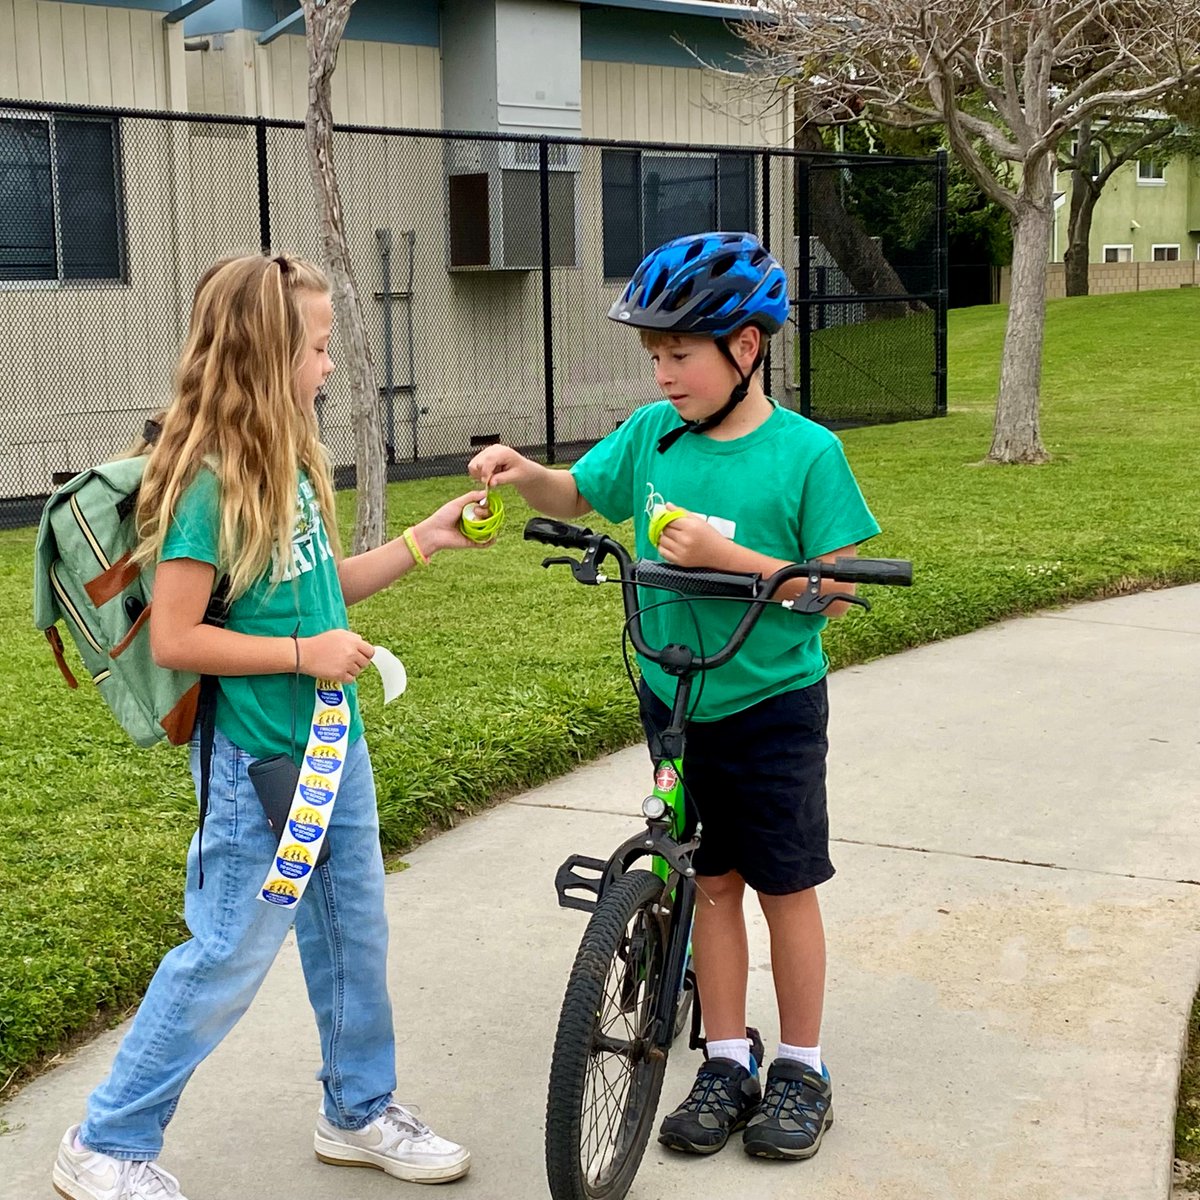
(762, 487)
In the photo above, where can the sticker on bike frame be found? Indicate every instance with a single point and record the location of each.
(665, 778)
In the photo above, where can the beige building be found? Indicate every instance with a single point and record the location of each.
(116, 215)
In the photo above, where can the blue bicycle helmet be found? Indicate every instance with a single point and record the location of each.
(706, 283)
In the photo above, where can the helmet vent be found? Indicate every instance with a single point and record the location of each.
(693, 251)
(653, 292)
(680, 296)
(722, 264)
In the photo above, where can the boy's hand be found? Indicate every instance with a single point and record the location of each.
(495, 465)
(440, 531)
(692, 542)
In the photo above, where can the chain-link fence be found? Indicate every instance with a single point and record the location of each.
(486, 265)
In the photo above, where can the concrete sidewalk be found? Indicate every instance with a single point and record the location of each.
(1014, 941)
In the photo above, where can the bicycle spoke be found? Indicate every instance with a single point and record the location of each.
(612, 1061)
(618, 1047)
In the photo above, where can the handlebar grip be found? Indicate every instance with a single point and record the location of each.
(896, 572)
(557, 533)
(696, 581)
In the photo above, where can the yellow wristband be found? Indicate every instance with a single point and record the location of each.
(410, 540)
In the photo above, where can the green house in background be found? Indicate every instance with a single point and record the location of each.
(1145, 230)
(1148, 212)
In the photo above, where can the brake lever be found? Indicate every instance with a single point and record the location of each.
(815, 603)
(583, 569)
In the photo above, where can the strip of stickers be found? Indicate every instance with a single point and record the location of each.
(313, 801)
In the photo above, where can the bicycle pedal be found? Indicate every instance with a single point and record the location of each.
(568, 880)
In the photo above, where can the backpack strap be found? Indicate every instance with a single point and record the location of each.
(206, 713)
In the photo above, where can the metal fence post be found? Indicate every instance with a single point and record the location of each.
(547, 293)
(264, 191)
(766, 240)
(941, 285)
(804, 283)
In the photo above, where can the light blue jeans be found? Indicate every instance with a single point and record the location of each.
(202, 987)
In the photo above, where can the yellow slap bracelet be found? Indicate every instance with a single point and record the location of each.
(317, 787)
(661, 518)
(486, 528)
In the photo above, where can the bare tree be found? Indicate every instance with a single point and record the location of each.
(1100, 147)
(324, 24)
(1016, 76)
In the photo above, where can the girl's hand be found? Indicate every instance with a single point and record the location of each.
(337, 654)
(440, 531)
(692, 542)
(497, 464)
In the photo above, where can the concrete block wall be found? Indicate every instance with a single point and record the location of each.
(1108, 278)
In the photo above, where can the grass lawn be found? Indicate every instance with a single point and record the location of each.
(515, 672)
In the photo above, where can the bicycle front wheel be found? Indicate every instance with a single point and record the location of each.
(606, 1073)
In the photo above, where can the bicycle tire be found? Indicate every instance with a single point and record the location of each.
(605, 988)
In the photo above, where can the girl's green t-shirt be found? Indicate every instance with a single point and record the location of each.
(784, 489)
(302, 589)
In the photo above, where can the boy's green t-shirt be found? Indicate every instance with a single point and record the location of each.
(255, 711)
(784, 489)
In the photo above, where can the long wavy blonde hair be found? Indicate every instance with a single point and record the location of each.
(236, 410)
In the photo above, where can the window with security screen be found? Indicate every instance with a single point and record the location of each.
(649, 198)
(61, 209)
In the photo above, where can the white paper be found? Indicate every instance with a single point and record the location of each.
(391, 670)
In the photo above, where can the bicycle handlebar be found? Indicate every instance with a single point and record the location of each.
(701, 581)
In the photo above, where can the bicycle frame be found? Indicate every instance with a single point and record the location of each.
(638, 1022)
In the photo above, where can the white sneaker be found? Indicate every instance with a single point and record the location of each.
(396, 1142)
(86, 1175)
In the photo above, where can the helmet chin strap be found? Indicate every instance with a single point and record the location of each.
(735, 398)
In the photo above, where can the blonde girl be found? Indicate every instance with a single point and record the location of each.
(237, 485)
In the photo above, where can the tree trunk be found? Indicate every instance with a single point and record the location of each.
(323, 32)
(859, 257)
(1016, 437)
(1079, 233)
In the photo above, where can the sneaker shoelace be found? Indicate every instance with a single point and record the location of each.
(711, 1094)
(794, 1098)
(404, 1122)
(150, 1178)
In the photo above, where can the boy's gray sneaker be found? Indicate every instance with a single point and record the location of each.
(397, 1142)
(723, 1098)
(88, 1175)
(796, 1110)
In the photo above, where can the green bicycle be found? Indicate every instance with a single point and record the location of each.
(631, 989)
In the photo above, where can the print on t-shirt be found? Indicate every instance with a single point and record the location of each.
(310, 544)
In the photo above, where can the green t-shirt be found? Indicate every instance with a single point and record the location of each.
(255, 711)
(785, 490)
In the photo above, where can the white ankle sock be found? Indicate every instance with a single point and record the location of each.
(809, 1055)
(736, 1048)
(78, 1144)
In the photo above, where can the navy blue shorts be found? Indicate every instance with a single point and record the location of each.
(756, 782)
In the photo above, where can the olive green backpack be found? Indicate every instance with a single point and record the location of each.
(84, 578)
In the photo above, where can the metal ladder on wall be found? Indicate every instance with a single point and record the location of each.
(389, 298)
